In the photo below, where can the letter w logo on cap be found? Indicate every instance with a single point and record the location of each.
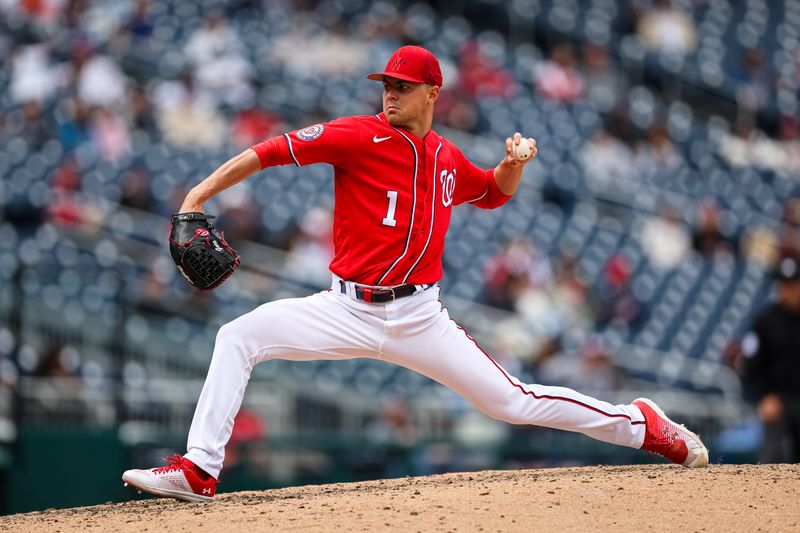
(396, 62)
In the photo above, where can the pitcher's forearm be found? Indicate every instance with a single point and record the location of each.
(507, 175)
(236, 169)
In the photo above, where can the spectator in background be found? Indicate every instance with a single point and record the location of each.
(480, 77)
(65, 184)
(249, 432)
(136, 192)
(394, 425)
(72, 123)
(306, 51)
(666, 29)
(240, 215)
(395, 433)
(58, 384)
(591, 368)
(596, 370)
(789, 135)
(760, 246)
(518, 266)
(513, 343)
(658, 152)
(109, 132)
(772, 367)
(790, 228)
(141, 114)
(44, 13)
(220, 67)
(187, 118)
(613, 299)
(754, 83)
(749, 147)
(557, 78)
(311, 249)
(252, 125)
(570, 293)
(605, 158)
(708, 238)
(99, 79)
(58, 361)
(34, 75)
(456, 110)
(603, 83)
(140, 24)
(151, 293)
(37, 129)
(665, 238)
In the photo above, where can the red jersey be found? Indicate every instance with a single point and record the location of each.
(394, 192)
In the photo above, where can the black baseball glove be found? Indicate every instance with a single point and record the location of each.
(200, 251)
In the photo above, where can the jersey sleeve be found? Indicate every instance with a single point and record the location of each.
(332, 142)
(476, 185)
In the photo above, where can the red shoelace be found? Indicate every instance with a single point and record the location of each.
(175, 463)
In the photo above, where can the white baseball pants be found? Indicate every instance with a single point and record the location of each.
(414, 332)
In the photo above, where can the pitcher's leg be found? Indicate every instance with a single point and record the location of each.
(301, 329)
(445, 353)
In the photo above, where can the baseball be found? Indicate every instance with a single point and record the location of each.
(521, 151)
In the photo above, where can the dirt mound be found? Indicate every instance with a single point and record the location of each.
(643, 498)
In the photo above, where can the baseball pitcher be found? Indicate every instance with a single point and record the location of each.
(396, 183)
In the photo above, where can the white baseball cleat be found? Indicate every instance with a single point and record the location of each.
(179, 479)
(670, 440)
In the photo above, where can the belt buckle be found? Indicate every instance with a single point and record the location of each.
(369, 293)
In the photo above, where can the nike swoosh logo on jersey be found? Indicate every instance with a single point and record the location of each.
(377, 139)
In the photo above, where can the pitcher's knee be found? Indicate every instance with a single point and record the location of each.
(249, 335)
(232, 340)
(227, 334)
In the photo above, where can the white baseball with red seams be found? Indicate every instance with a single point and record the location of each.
(521, 151)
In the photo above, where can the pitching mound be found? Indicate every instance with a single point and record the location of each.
(641, 498)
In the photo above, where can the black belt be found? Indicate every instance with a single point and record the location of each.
(379, 296)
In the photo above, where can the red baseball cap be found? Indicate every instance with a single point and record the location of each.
(412, 63)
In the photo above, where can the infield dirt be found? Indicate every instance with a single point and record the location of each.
(619, 498)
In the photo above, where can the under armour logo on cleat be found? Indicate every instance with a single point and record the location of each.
(206, 491)
(377, 139)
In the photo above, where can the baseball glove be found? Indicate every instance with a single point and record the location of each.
(200, 251)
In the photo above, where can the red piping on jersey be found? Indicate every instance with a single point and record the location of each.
(543, 396)
(433, 213)
(413, 207)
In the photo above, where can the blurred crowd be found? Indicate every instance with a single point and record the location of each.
(108, 104)
(554, 298)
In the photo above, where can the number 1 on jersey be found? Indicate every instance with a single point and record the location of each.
(389, 219)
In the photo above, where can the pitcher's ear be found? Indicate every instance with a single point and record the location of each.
(433, 93)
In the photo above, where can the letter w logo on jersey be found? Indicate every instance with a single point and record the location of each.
(448, 181)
